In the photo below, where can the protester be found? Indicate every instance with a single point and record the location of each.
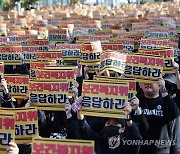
(159, 111)
(154, 122)
(113, 134)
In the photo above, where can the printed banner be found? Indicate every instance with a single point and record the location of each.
(49, 93)
(161, 32)
(80, 31)
(10, 54)
(89, 38)
(90, 53)
(128, 44)
(145, 68)
(153, 43)
(59, 47)
(7, 130)
(136, 37)
(104, 99)
(39, 64)
(18, 85)
(51, 55)
(26, 123)
(56, 73)
(131, 83)
(104, 32)
(16, 32)
(70, 54)
(56, 146)
(42, 44)
(112, 46)
(168, 57)
(29, 53)
(90, 27)
(57, 34)
(114, 61)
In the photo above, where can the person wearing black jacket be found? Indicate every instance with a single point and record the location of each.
(5, 100)
(113, 136)
(159, 111)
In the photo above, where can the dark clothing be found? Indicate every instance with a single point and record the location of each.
(19, 69)
(101, 143)
(177, 98)
(23, 103)
(71, 129)
(80, 82)
(24, 148)
(6, 100)
(175, 135)
(175, 128)
(159, 112)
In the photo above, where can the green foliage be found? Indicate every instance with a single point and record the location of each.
(146, 1)
(27, 3)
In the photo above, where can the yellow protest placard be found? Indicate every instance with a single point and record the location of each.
(26, 123)
(49, 93)
(89, 38)
(153, 43)
(104, 99)
(145, 68)
(52, 73)
(50, 55)
(10, 54)
(112, 46)
(43, 44)
(131, 83)
(18, 85)
(7, 130)
(56, 146)
(168, 57)
(128, 43)
(57, 35)
(90, 53)
(161, 32)
(39, 64)
(114, 61)
(29, 53)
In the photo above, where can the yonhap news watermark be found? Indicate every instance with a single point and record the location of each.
(149, 142)
(115, 141)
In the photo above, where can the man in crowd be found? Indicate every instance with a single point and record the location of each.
(159, 109)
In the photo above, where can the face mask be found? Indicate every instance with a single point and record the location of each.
(110, 131)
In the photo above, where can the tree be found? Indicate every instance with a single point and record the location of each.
(9, 4)
(76, 1)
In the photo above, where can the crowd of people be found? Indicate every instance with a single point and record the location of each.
(154, 124)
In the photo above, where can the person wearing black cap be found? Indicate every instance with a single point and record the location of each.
(115, 133)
